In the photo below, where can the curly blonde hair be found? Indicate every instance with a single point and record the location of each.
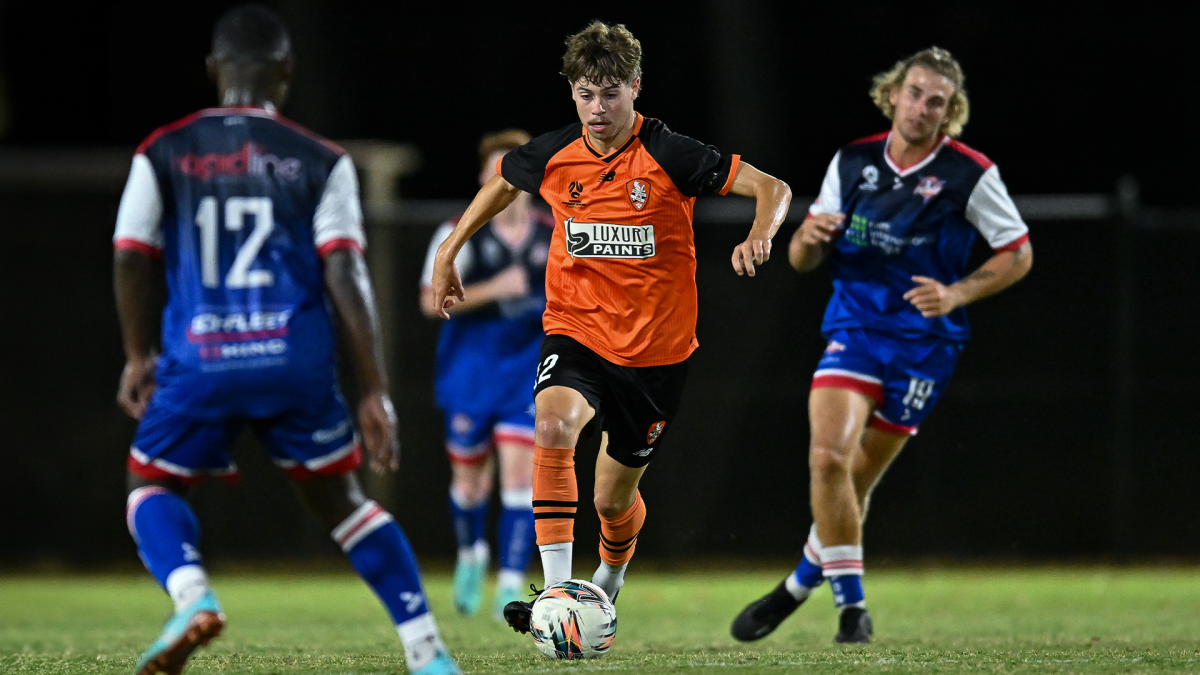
(935, 59)
(603, 54)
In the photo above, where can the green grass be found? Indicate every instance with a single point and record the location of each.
(1062, 620)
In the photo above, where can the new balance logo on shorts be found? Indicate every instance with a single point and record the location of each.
(606, 240)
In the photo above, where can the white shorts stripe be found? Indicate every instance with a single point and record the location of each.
(318, 463)
(838, 372)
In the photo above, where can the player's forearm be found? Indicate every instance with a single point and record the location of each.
(138, 286)
(996, 274)
(492, 198)
(349, 288)
(804, 256)
(772, 199)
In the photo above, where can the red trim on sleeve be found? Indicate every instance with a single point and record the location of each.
(733, 169)
(877, 422)
(980, 158)
(1014, 245)
(126, 244)
(338, 244)
(869, 389)
(499, 163)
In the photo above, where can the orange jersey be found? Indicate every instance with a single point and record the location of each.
(621, 278)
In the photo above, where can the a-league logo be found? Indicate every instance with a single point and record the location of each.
(638, 190)
(656, 430)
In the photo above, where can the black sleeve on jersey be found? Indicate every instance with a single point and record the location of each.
(695, 168)
(525, 167)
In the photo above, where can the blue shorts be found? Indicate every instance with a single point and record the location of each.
(317, 440)
(904, 376)
(470, 437)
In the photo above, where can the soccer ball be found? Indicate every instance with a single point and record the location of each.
(573, 620)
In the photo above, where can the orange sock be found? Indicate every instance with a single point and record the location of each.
(555, 495)
(618, 535)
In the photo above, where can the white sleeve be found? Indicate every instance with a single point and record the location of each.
(993, 213)
(463, 259)
(339, 216)
(139, 218)
(830, 198)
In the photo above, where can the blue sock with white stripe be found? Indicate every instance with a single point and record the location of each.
(168, 536)
(378, 549)
(516, 536)
(470, 520)
(844, 568)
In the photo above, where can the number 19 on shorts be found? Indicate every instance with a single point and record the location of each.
(236, 209)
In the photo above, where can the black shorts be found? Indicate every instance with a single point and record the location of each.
(634, 405)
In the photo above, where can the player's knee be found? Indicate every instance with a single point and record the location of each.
(554, 430)
(472, 489)
(829, 460)
(611, 506)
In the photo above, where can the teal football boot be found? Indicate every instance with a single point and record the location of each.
(195, 626)
(442, 664)
(468, 584)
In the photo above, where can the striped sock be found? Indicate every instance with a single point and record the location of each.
(378, 549)
(167, 535)
(809, 573)
(555, 501)
(843, 565)
(516, 537)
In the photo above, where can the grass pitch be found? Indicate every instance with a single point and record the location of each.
(1065, 620)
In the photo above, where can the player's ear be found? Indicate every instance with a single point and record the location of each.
(210, 65)
(287, 68)
(894, 94)
(636, 85)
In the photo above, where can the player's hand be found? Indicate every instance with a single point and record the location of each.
(820, 229)
(137, 385)
(756, 250)
(933, 298)
(511, 283)
(447, 286)
(377, 419)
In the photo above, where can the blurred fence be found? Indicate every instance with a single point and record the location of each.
(1066, 431)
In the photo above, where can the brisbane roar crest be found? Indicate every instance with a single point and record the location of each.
(638, 190)
(656, 430)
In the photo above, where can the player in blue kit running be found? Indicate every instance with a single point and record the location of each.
(896, 218)
(238, 249)
(486, 354)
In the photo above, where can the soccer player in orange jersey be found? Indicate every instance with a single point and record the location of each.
(620, 287)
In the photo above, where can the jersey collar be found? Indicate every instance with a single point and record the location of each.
(253, 111)
(915, 167)
(637, 127)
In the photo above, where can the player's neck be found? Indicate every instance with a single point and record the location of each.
(905, 154)
(512, 224)
(605, 147)
(247, 97)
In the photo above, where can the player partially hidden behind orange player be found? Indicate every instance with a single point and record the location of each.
(620, 287)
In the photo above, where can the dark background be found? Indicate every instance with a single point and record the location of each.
(1019, 459)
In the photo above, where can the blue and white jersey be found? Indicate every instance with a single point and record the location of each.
(920, 220)
(486, 358)
(241, 204)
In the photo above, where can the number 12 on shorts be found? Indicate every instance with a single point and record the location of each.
(543, 371)
(919, 392)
